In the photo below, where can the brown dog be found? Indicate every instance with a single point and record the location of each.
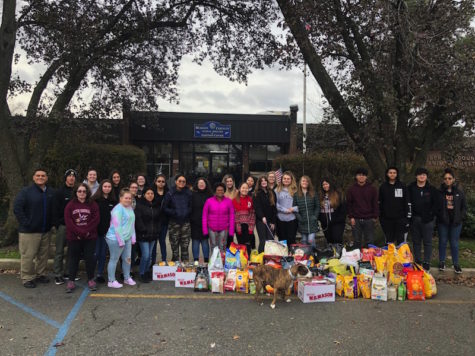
(279, 279)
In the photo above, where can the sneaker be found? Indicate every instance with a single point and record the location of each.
(100, 279)
(441, 266)
(58, 280)
(42, 279)
(457, 269)
(426, 266)
(92, 285)
(197, 263)
(130, 282)
(77, 279)
(70, 286)
(114, 284)
(29, 284)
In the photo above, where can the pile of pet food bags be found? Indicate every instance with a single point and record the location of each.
(387, 273)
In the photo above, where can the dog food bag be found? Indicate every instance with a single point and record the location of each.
(415, 285)
(350, 287)
(217, 281)
(339, 285)
(392, 292)
(364, 284)
(242, 282)
(256, 257)
(300, 251)
(201, 280)
(430, 288)
(404, 253)
(380, 262)
(379, 288)
(232, 260)
(230, 283)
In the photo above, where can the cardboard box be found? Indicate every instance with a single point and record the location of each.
(316, 291)
(164, 273)
(185, 279)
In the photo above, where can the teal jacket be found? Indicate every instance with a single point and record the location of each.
(308, 210)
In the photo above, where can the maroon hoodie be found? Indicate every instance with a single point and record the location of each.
(81, 220)
(362, 201)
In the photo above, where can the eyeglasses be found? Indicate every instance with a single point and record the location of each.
(81, 191)
(160, 181)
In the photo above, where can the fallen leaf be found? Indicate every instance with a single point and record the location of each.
(157, 334)
(236, 337)
(59, 344)
(163, 341)
(336, 342)
(213, 345)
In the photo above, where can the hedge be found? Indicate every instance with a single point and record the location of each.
(128, 160)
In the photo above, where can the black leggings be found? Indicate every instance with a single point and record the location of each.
(334, 232)
(245, 238)
(264, 234)
(75, 250)
(287, 230)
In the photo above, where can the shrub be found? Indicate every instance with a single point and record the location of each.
(468, 226)
(337, 166)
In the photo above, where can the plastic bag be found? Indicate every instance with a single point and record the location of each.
(242, 281)
(404, 253)
(350, 258)
(300, 251)
(230, 283)
(275, 248)
(201, 280)
(415, 285)
(215, 262)
(257, 257)
(232, 260)
(335, 266)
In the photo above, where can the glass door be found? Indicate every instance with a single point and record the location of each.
(219, 167)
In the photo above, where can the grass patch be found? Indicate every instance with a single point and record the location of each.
(466, 254)
(9, 253)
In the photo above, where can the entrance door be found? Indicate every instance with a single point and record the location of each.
(202, 164)
(219, 167)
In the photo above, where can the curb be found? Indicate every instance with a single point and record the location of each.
(14, 264)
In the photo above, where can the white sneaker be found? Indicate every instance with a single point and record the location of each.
(114, 284)
(130, 281)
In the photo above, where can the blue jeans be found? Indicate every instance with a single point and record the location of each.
(145, 262)
(308, 239)
(162, 240)
(195, 246)
(117, 251)
(449, 233)
(101, 249)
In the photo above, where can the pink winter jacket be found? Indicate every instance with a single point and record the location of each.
(218, 215)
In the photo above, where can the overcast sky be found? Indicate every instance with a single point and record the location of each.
(201, 89)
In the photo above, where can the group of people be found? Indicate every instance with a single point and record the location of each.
(90, 217)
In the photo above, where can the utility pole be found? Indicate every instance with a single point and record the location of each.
(304, 126)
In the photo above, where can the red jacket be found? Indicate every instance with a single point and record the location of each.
(245, 214)
(81, 220)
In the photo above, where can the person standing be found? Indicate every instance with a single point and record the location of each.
(244, 217)
(120, 237)
(177, 206)
(332, 212)
(273, 184)
(116, 183)
(307, 203)
(218, 218)
(142, 183)
(160, 191)
(82, 218)
(449, 222)
(133, 189)
(286, 219)
(251, 184)
(266, 212)
(61, 198)
(231, 190)
(425, 204)
(105, 199)
(147, 228)
(362, 203)
(91, 180)
(393, 207)
(33, 210)
(201, 193)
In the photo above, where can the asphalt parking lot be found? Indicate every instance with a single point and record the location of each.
(158, 318)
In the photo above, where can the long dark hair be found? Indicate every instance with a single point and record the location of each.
(269, 191)
(333, 195)
(88, 193)
(100, 194)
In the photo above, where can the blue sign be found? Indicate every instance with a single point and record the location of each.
(212, 129)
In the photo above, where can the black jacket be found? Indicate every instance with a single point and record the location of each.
(425, 201)
(105, 208)
(393, 201)
(33, 209)
(147, 221)
(198, 200)
(159, 200)
(61, 198)
(263, 207)
(460, 206)
(177, 205)
(337, 217)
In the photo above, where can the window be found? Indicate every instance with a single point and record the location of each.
(261, 157)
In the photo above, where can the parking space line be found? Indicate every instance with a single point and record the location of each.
(64, 328)
(244, 297)
(30, 311)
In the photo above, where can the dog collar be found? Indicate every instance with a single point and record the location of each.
(291, 275)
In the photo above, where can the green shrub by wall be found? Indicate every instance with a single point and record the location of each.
(128, 160)
(468, 227)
